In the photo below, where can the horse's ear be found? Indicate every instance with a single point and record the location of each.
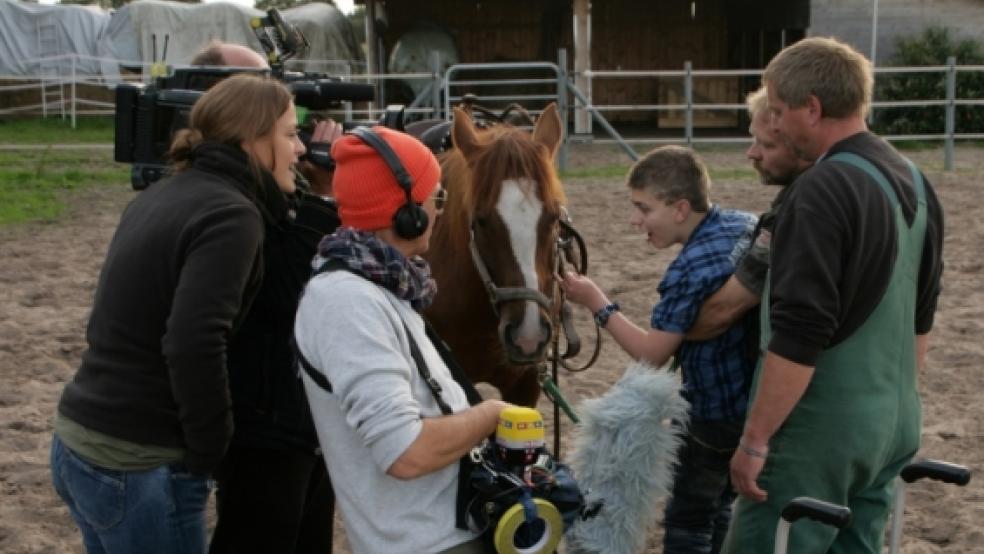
(463, 133)
(547, 129)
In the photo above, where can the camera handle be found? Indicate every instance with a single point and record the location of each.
(279, 39)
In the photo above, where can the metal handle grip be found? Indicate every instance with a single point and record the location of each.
(818, 510)
(937, 470)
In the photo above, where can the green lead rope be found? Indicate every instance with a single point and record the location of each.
(553, 393)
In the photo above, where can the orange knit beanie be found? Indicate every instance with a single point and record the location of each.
(366, 189)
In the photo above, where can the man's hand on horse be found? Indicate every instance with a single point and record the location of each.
(581, 290)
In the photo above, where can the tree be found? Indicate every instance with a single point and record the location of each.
(932, 47)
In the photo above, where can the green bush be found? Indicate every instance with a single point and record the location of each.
(932, 47)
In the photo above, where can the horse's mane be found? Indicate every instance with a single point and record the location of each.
(505, 152)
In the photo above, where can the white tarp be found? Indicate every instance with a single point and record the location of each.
(139, 30)
(136, 28)
(30, 32)
(330, 35)
(412, 53)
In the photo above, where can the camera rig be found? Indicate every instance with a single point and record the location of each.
(147, 116)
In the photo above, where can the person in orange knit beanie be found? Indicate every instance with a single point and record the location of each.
(391, 436)
(367, 190)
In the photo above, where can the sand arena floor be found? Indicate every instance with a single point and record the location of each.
(49, 270)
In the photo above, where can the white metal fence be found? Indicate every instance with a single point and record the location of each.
(549, 82)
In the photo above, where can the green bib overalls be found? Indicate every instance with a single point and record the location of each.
(858, 422)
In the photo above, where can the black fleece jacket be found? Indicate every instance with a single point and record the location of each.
(269, 406)
(182, 265)
(834, 247)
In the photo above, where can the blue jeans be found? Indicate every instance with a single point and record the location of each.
(699, 510)
(160, 510)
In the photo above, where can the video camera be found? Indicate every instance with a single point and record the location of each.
(148, 116)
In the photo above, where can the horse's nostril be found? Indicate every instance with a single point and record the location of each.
(528, 347)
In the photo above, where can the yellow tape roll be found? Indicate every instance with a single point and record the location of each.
(505, 531)
(520, 427)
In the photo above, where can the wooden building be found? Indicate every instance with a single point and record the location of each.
(612, 35)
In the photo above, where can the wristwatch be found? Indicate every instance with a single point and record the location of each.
(602, 315)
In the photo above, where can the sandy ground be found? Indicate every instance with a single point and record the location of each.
(48, 273)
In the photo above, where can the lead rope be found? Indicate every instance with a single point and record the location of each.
(550, 378)
(565, 250)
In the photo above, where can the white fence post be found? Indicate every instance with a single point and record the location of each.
(688, 97)
(74, 79)
(950, 119)
(562, 106)
(436, 84)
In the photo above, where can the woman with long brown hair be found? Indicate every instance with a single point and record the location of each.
(147, 417)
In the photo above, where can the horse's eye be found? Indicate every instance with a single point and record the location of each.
(480, 221)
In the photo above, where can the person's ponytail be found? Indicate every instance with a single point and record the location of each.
(182, 145)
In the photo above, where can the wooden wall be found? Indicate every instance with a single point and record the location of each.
(625, 34)
(492, 30)
(632, 34)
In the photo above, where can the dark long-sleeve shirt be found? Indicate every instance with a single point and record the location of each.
(834, 248)
(269, 406)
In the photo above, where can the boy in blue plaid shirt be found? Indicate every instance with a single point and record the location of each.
(669, 194)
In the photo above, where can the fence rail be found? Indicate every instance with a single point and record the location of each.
(443, 86)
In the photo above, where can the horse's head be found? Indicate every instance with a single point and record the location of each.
(513, 202)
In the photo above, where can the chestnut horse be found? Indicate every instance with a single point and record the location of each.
(493, 251)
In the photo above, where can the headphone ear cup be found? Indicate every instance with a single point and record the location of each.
(410, 221)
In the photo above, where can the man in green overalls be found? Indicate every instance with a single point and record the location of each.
(846, 314)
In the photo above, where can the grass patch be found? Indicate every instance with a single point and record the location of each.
(915, 145)
(88, 130)
(34, 185)
(601, 171)
(619, 171)
(733, 174)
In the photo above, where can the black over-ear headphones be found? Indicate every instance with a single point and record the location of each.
(410, 221)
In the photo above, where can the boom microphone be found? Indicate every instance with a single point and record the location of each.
(624, 453)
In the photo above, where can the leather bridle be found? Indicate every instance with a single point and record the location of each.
(570, 249)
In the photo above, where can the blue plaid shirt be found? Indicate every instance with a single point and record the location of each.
(717, 374)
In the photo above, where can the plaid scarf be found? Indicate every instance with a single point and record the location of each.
(367, 256)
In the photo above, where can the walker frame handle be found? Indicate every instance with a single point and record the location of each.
(817, 510)
(810, 508)
(936, 470)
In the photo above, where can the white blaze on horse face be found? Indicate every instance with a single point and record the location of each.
(520, 209)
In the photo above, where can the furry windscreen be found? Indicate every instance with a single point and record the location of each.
(623, 456)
